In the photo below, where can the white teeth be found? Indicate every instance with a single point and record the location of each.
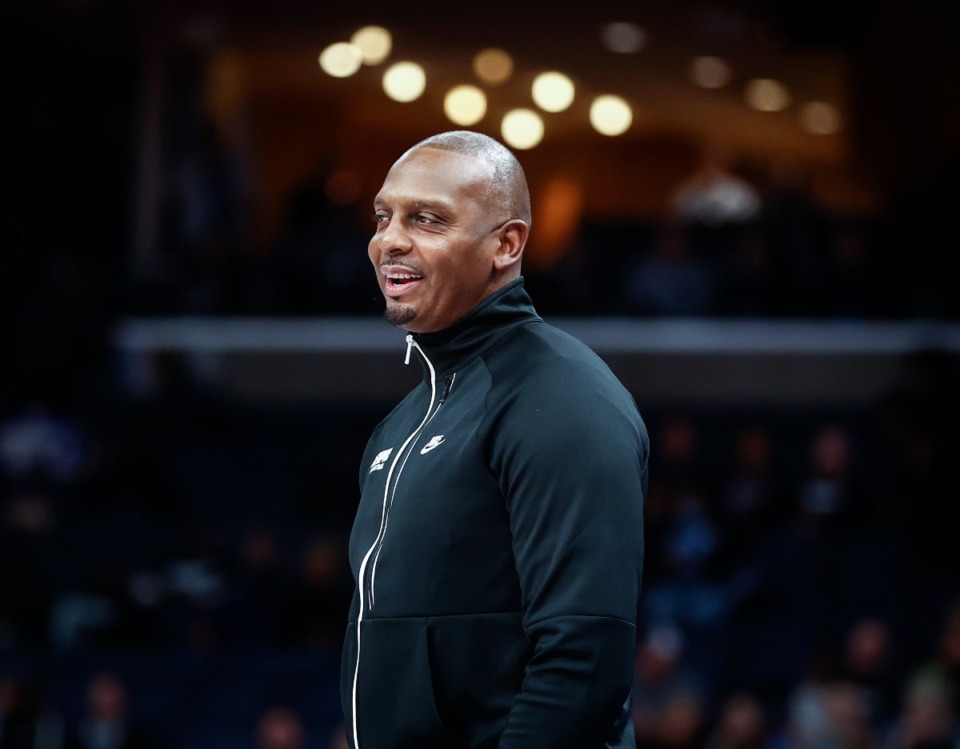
(401, 276)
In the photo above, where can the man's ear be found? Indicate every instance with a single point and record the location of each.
(513, 238)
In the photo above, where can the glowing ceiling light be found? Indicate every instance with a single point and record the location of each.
(623, 38)
(341, 60)
(374, 43)
(710, 72)
(610, 115)
(404, 81)
(522, 128)
(767, 95)
(820, 118)
(493, 66)
(465, 105)
(553, 92)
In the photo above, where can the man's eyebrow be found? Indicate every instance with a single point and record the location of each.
(418, 205)
(439, 205)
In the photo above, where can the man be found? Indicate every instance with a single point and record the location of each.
(497, 547)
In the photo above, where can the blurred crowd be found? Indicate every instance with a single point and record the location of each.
(173, 572)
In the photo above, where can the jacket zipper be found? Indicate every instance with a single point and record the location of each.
(388, 504)
(365, 584)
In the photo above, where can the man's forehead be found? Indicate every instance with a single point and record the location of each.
(435, 176)
(467, 165)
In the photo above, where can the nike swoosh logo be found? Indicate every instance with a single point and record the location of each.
(433, 443)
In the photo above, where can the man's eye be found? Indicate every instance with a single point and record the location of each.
(423, 218)
(379, 218)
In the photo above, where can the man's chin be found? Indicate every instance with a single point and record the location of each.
(400, 315)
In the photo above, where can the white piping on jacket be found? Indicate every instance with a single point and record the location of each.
(387, 498)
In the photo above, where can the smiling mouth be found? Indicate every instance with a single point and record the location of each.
(397, 282)
(400, 279)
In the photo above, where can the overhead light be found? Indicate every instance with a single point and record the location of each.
(610, 115)
(522, 128)
(465, 105)
(374, 43)
(710, 72)
(404, 81)
(553, 92)
(623, 38)
(341, 59)
(820, 118)
(493, 66)
(767, 95)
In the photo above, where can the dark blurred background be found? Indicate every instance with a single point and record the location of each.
(192, 355)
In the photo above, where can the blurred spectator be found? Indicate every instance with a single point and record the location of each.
(741, 724)
(108, 722)
(280, 728)
(42, 446)
(679, 724)
(828, 493)
(828, 715)
(853, 561)
(751, 497)
(681, 555)
(848, 714)
(691, 540)
(715, 194)
(676, 469)
(868, 661)
(679, 458)
(671, 279)
(18, 715)
(661, 679)
(928, 719)
(944, 665)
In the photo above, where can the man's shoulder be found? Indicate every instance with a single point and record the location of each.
(541, 361)
(542, 348)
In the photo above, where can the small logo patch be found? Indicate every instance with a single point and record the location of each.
(380, 460)
(434, 442)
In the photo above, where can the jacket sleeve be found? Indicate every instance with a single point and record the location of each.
(572, 461)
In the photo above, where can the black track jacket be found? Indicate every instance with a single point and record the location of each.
(498, 546)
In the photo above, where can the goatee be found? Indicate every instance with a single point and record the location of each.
(400, 314)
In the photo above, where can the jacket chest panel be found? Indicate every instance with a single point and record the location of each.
(441, 504)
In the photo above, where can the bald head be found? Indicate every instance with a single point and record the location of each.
(452, 219)
(508, 185)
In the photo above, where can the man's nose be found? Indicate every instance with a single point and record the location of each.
(394, 238)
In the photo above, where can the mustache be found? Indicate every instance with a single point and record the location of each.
(394, 264)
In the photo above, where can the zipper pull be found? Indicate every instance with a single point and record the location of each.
(406, 359)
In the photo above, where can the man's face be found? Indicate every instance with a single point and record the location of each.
(436, 238)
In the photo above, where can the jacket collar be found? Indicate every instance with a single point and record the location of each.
(498, 314)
